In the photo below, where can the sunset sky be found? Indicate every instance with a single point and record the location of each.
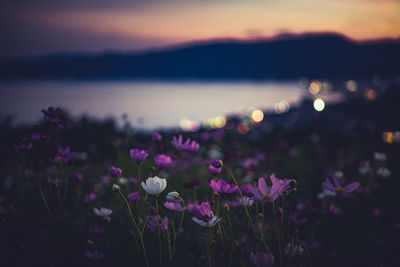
(48, 26)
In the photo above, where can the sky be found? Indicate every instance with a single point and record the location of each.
(35, 27)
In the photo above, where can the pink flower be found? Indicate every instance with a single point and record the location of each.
(337, 188)
(222, 187)
(174, 205)
(264, 194)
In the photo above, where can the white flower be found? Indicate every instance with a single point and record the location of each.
(246, 201)
(325, 194)
(154, 185)
(171, 196)
(102, 212)
(383, 172)
(211, 223)
(379, 156)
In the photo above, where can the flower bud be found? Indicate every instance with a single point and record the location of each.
(116, 188)
(171, 196)
(217, 163)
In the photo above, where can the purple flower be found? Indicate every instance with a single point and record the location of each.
(334, 209)
(337, 188)
(53, 116)
(246, 189)
(174, 205)
(95, 229)
(192, 184)
(22, 147)
(158, 222)
(285, 183)
(90, 197)
(265, 194)
(188, 145)
(132, 180)
(215, 167)
(261, 259)
(133, 197)
(64, 154)
(156, 136)
(95, 255)
(138, 155)
(115, 172)
(203, 214)
(35, 137)
(78, 177)
(222, 187)
(163, 161)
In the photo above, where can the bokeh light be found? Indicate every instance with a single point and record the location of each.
(370, 94)
(319, 104)
(257, 116)
(281, 107)
(351, 86)
(315, 87)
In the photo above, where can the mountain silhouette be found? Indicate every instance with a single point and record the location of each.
(329, 56)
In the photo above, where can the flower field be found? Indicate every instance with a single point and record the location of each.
(86, 193)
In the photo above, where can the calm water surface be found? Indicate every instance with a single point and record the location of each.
(148, 104)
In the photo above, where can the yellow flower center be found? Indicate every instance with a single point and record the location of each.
(266, 197)
(340, 190)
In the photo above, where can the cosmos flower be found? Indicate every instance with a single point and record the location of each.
(264, 194)
(285, 183)
(337, 188)
(102, 212)
(133, 197)
(174, 205)
(158, 222)
(221, 187)
(78, 177)
(215, 167)
(172, 196)
(64, 154)
(188, 145)
(154, 185)
(95, 255)
(138, 155)
(90, 197)
(156, 136)
(163, 161)
(115, 172)
(203, 214)
(262, 259)
(53, 116)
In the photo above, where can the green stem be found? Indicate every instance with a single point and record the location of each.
(247, 211)
(44, 200)
(137, 227)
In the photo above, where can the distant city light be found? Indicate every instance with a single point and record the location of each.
(189, 126)
(281, 107)
(243, 128)
(390, 137)
(319, 104)
(351, 86)
(370, 94)
(257, 116)
(219, 122)
(315, 87)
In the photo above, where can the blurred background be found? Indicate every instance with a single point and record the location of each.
(192, 64)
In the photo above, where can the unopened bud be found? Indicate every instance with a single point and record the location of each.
(116, 188)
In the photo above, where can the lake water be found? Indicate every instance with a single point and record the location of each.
(149, 104)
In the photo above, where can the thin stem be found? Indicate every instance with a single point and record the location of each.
(44, 199)
(169, 246)
(137, 228)
(247, 211)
